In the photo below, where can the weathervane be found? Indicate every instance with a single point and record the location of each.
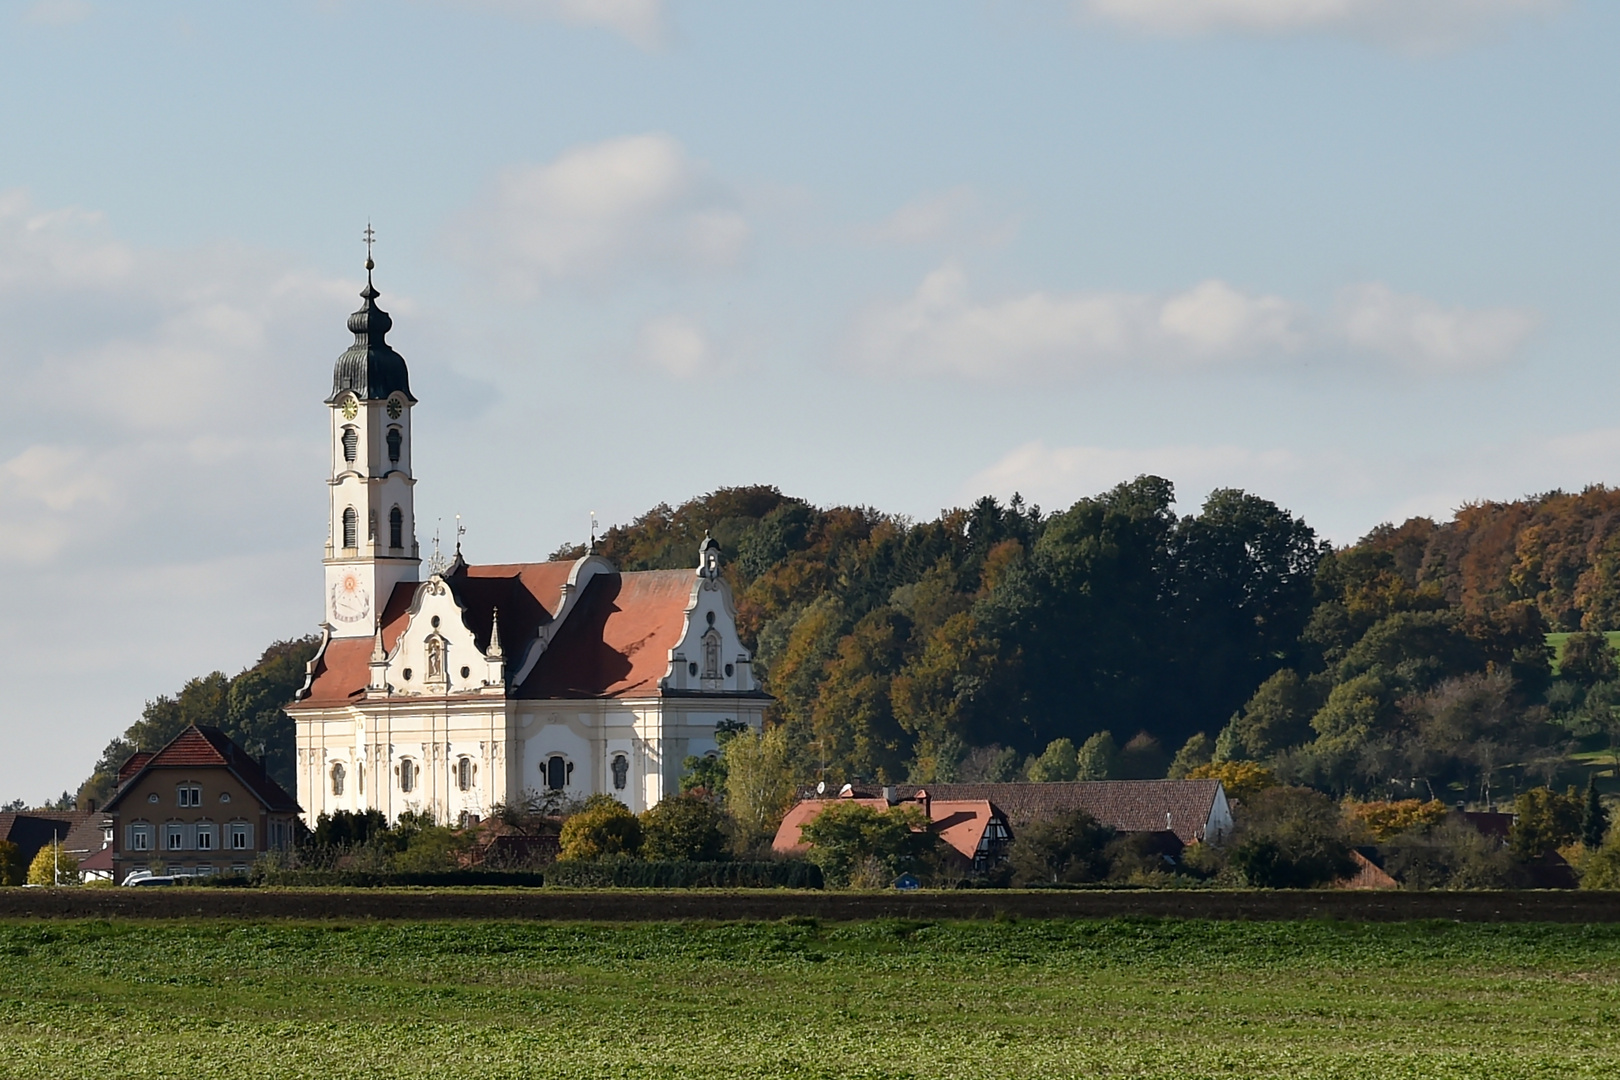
(369, 235)
(592, 549)
(461, 531)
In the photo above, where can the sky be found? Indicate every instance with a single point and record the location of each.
(1355, 256)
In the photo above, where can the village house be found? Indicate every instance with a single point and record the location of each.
(973, 830)
(83, 835)
(1194, 811)
(199, 806)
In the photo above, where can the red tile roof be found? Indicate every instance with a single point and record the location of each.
(960, 823)
(206, 747)
(616, 640)
(133, 764)
(1125, 805)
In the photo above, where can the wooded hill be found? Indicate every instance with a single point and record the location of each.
(964, 646)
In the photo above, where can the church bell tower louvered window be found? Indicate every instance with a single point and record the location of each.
(370, 408)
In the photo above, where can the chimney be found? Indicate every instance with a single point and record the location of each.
(889, 795)
(927, 802)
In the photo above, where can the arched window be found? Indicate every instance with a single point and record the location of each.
(464, 773)
(621, 772)
(407, 775)
(394, 440)
(558, 771)
(351, 527)
(338, 773)
(351, 444)
(396, 528)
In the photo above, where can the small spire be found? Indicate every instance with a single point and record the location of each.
(461, 530)
(370, 235)
(378, 653)
(494, 650)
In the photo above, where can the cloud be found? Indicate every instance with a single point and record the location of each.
(58, 12)
(1420, 25)
(599, 212)
(642, 22)
(942, 329)
(676, 345)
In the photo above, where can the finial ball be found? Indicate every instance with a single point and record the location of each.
(370, 265)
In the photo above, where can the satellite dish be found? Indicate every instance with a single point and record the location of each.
(821, 788)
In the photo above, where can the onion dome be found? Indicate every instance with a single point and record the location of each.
(370, 367)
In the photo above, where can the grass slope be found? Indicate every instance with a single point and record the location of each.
(1117, 998)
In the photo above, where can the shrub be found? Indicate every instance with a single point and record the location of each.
(604, 827)
(1545, 821)
(1068, 848)
(53, 866)
(1384, 820)
(1291, 838)
(684, 827)
(625, 873)
(12, 870)
(846, 834)
(1449, 854)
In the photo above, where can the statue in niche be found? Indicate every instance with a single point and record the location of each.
(711, 655)
(621, 772)
(435, 658)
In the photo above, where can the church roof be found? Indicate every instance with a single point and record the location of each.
(615, 641)
(370, 367)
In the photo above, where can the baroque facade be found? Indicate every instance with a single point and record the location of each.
(484, 684)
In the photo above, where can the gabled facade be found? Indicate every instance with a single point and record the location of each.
(200, 806)
(483, 683)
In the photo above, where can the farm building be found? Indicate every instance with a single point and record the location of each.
(1194, 810)
(972, 828)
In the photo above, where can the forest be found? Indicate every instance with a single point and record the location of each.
(1118, 638)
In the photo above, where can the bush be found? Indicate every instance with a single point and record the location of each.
(1384, 820)
(846, 834)
(683, 828)
(604, 827)
(1545, 821)
(1069, 848)
(12, 870)
(1291, 838)
(626, 873)
(52, 866)
(1449, 854)
(374, 879)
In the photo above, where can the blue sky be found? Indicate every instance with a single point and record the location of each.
(1358, 256)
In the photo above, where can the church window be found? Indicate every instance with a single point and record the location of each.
(691, 669)
(396, 528)
(711, 618)
(394, 440)
(407, 775)
(464, 773)
(621, 772)
(338, 774)
(730, 671)
(466, 672)
(558, 772)
(407, 674)
(351, 527)
(351, 444)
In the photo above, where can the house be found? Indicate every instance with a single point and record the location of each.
(974, 829)
(1369, 872)
(82, 833)
(453, 687)
(201, 805)
(1193, 810)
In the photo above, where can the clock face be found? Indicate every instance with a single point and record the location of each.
(395, 407)
(351, 603)
(351, 407)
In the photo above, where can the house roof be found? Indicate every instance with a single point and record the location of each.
(959, 822)
(1124, 805)
(31, 830)
(615, 642)
(209, 747)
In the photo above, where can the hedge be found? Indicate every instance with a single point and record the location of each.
(376, 879)
(649, 874)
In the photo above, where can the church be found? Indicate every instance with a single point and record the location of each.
(485, 684)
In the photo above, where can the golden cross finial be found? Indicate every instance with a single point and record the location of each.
(370, 235)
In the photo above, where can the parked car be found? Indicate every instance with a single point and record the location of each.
(147, 878)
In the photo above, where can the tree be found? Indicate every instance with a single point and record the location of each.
(1056, 763)
(1097, 758)
(1242, 780)
(1384, 820)
(846, 835)
(12, 871)
(1588, 660)
(708, 772)
(1276, 717)
(1544, 821)
(1198, 750)
(604, 827)
(1291, 837)
(1595, 819)
(759, 783)
(53, 866)
(1449, 853)
(1071, 847)
(1143, 758)
(683, 827)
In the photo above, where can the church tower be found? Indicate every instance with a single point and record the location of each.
(371, 531)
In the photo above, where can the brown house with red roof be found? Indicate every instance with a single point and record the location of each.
(199, 806)
(484, 682)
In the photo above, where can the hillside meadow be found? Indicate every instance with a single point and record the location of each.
(1128, 998)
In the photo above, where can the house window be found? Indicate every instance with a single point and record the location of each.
(205, 838)
(224, 796)
(407, 775)
(464, 773)
(241, 836)
(175, 837)
(189, 795)
(351, 444)
(339, 773)
(351, 527)
(394, 440)
(140, 837)
(239, 869)
(621, 772)
(396, 528)
(558, 772)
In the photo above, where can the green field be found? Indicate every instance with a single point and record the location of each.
(1029, 999)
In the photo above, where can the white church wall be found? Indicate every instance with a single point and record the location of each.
(569, 736)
